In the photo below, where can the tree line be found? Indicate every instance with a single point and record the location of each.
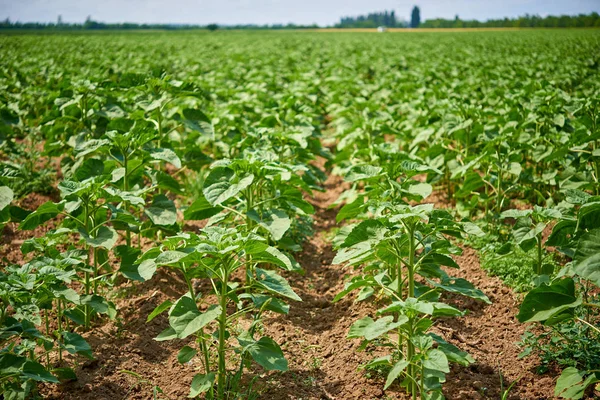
(526, 21)
(90, 24)
(372, 20)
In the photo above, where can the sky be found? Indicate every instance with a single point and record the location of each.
(230, 12)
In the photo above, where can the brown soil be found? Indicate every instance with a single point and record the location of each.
(323, 363)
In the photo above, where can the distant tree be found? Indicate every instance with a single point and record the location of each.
(59, 21)
(415, 17)
(212, 27)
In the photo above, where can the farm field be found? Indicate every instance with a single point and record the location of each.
(300, 215)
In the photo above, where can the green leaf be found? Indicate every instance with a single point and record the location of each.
(186, 354)
(275, 283)
(37, 372)
(42, 214)
(473, 230)
(350, 210)
(436, 361)
(371, 231)
(197, 121)
(170, 257)
(421, 189)
(274, 256)
(105, 237)
(586, 262)
(167, 155)
(6, 196)
(200, 209)
(461, 286)
(76, 344)
(395, 372)
(272, 303)
(167, 334)
(162, 211)
(267, 353)
(360, 172)
(549, 302)
(572, 385)
(186, 319)
(128, 257)
(162, 307)
(221, 185)
(100, 305)
(370, 329)
(276, 222)
(201, 384)
(453, 353)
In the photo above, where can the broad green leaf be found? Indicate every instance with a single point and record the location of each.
(436, 360)
(370, 329)
(549, 302)
(586, 262)
(186, 354)
(276, 222)
(42, 214)
(371, 231)
(275, 283)
(200, 209)
(421, 189)
(274, 256)
(461, 286)
(168, 334)
(186, 319)
(266, 353)
(350, 210)
(162, 211)
(76, 344)
(6, 196)
(395, 372)
(167, 155)
(572, 383)
(37, 372)
(105, 237)
(222, 184)
(360, 172)
(201, 383)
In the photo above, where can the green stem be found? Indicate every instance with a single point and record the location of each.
(411, 293)
(126, 189)
(59, 320)
(87, 308)
(539, 255)
(222, 380)
(95, 270)
(47, 334)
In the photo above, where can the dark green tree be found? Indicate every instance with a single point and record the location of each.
(415, 17)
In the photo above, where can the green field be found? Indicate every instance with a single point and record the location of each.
(300, 215)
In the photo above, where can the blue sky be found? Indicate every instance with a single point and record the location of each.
(322, 12)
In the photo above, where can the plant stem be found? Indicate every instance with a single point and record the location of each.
(47, 334)
(411, 293)
(222, 380)
(539, 255)
(59, 318)
(87, 309)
